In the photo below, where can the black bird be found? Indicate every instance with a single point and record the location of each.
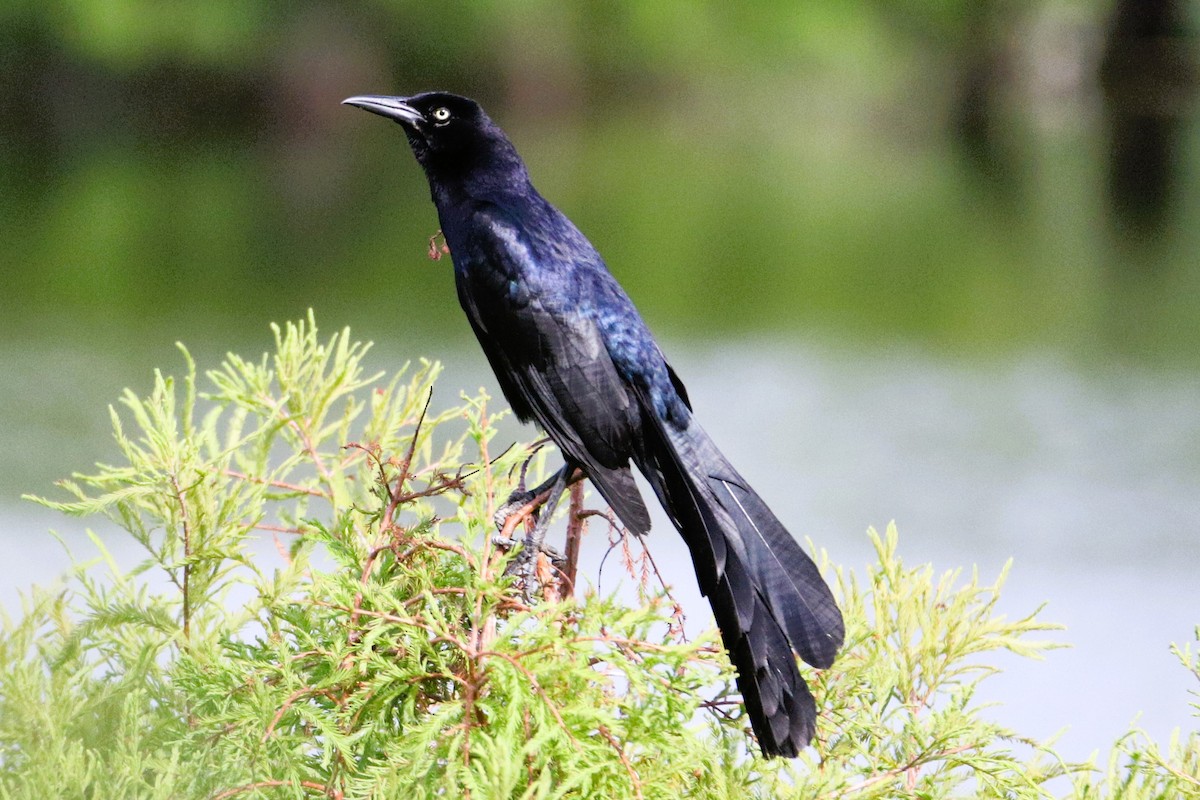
(572, 354)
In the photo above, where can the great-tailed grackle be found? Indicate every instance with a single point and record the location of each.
(572, 353)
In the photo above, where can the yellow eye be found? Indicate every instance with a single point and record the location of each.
(441, 114)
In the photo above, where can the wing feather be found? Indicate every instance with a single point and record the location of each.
(553, 367)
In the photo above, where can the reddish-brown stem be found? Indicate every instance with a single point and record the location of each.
(576, 527)
(287, 487)
(633, 776)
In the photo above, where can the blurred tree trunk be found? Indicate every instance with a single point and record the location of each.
(981, 74)
(1147, 73)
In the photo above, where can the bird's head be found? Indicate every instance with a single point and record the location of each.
(451, 136)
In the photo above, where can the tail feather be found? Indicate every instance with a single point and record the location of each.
(767, 595)
(798, 595)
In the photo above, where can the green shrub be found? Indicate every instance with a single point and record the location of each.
(321, 612)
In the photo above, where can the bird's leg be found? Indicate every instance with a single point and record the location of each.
(558, 485)
(522, 497)
(542, 501)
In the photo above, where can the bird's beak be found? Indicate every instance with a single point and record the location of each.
(396, 108)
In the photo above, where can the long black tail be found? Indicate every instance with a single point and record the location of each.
(767, 595)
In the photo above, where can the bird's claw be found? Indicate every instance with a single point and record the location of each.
(525, 557)
(523, 567)
(515, 502)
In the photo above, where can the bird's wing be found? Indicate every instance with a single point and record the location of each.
(549, 356)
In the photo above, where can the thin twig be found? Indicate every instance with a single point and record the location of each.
(676, 607)
(296, 695)
(353, 636)
(405, 465)
(633, 776)
(262, 526)
(484, 632)
(287, 487)
(310, 446)
(537, 687)
(892, 774)
(328, 791)
(187, 558)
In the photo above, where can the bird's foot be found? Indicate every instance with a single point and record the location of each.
(522, 497)
(522, 564)
(525, 565)
(515, 502)
(534, 508)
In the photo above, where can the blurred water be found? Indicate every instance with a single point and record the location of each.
(1090, 480)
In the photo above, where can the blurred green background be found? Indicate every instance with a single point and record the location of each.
(972, 176)
(934, 261)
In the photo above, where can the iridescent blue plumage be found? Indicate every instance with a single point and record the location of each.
(572, 353)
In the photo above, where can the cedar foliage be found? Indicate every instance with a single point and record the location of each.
(320, 611)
